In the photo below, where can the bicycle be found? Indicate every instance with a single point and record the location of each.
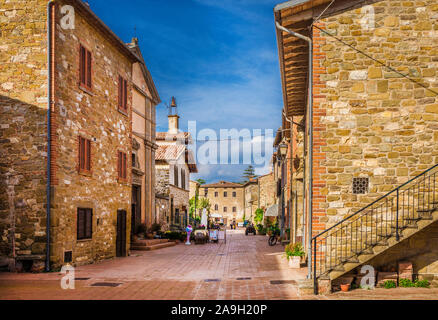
(274, 238)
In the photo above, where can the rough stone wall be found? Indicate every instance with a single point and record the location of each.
(162, 212)
(93, 115)
(369, 121)
(162, 179)
(23, 141)
(251, 200)
(268, 190)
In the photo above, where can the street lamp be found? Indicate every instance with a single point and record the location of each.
(282, 148)
(282, 155)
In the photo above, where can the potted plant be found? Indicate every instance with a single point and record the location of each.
(294, 252)
(345, 287)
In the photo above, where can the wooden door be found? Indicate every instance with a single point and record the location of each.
(121, 234)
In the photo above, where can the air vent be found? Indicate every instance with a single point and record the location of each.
(212, 280)
(68, 256)
(247, 278)
(360, 185)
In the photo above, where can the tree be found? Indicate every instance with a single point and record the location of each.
(249, 173)
(200, 181)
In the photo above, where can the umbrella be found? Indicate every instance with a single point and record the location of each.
(204, 219)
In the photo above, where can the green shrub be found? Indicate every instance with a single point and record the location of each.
(422, 284)
(156, 227)
(406, 283)
(172, 235)
(389, 284)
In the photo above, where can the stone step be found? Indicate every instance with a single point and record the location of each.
(149, 242)
(153, 247)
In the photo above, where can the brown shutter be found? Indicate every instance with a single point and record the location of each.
(82, 154)
(125, 95)
(80, 224)
(82, 65)
(124, 166)
(119, 164)
(120, 92)
(89, 61)
(88, 162)
(88, 223)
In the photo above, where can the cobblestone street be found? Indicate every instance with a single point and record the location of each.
(243, 268)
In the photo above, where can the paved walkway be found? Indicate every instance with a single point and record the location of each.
(243, 268)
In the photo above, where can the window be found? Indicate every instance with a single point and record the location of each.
(205, 192)
(216, 194)
(134, 162)
(225, 194)
(216, 207)
(122, 166)
(84, 155)
(234, 194)
(360, 185)
(225, 209)
(123, 94)
(85, 60)
(175, 176)
(84, 223)
(234, 209)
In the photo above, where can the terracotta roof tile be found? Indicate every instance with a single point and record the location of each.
(222, 184)
(169, 152)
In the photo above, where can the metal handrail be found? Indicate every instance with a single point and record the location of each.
(374, 202)
(337, 246)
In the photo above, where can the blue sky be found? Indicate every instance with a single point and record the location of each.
(217, 57)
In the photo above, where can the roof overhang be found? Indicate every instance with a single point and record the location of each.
(94, 20)
(298, 15)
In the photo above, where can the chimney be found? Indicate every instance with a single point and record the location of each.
(173, 117)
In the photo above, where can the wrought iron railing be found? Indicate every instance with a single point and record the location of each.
(374, 224)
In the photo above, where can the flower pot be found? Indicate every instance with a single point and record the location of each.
(294, 262)
(345, 287)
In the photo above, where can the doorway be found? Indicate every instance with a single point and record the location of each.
(121, 234)
(135, 209)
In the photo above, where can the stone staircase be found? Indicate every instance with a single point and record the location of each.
(375, 228)
(152, 244)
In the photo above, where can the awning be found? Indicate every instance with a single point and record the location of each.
(216, 215)
(272, 211)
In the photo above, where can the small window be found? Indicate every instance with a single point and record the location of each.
(225, 209)
(216, 194)
(85, 61)
(360, 185)
(234, 194)
(84, 155)
(123, 94)
(122, 166)
(225, 194)
(134, 162)
(216, 207)
(234, 209)
(84, 223)
(183, 179)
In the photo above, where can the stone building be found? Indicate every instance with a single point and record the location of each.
(174, 163)
(89, 84)
(227, 200)
(252, 196)
(144, 100)
(374, 114)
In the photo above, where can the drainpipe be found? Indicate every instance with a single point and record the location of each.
(310, 150)
(50, 12)
(292, 231)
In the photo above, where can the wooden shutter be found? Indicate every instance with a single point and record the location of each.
(125, 95)
(88, 155)
(81, 153)
(124, 166)
(82, 61)
(119, 164)
(88, 223)
(89, 60)
(120, 90)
